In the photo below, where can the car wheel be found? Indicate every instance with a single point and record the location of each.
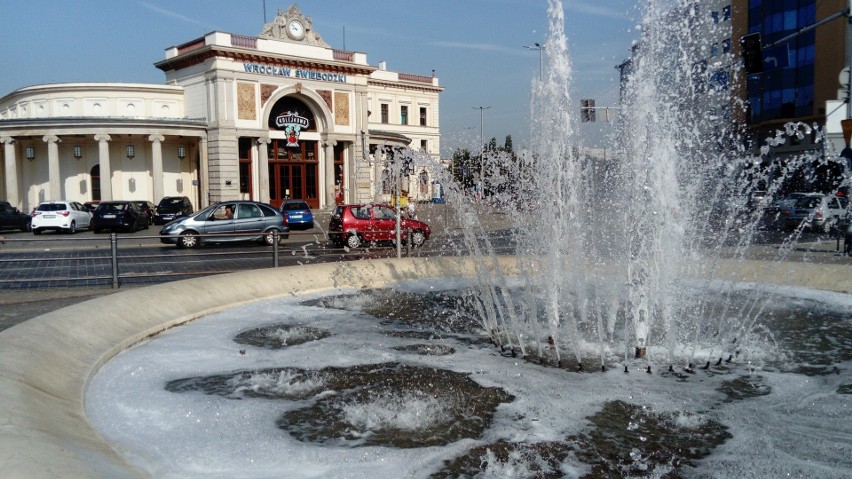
(353, 241)
(417, 238)
(73, 228)
(188, 240)
(269, 238)
(36, 231)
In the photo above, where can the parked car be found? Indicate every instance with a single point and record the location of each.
(229, 221)
(172, 207)
(298, 214)
(11, 218)
(68, 216)
(91, 206)
(148, 208)
(818, 212)
(118, 215)
(353, 225)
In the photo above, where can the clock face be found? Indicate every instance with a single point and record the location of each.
(296, 30)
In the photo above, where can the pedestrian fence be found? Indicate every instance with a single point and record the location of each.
(123, 259)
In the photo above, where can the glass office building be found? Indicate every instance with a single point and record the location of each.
(785, 88)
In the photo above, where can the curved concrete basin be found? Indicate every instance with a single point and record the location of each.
(47, 362)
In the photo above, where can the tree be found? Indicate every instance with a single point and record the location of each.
(508, 144)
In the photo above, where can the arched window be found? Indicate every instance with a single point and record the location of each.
(386, 181)
(424, 182)
(95, 174)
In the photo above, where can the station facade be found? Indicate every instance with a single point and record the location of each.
(277, 116)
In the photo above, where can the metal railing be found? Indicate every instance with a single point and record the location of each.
(64, 261)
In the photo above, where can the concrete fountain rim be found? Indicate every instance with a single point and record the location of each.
(46, 362)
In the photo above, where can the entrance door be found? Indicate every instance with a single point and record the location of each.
(286, 181)
(293, 173)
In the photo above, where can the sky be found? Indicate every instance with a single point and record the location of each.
(475, 47)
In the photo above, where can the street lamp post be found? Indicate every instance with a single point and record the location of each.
(481, 147)
(540, 48)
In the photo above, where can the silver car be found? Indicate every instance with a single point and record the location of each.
(67, 216)
(817, 211)
(226, 222)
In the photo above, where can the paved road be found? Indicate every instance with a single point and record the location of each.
(48, 272)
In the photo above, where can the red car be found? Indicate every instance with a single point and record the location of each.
(352, 225)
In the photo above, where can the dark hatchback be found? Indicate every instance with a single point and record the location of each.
(11, 218)
(171, 208)
(118, 215)
(148, 208)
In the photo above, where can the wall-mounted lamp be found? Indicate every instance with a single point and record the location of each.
(131, 152)
(181, 152)
(78, 152)
(30, 153)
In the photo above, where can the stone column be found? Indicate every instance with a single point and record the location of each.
(329, 173)
(11, 168)
(54, 180)
(263, 169)
(204, 165)
(106, 171)
(157, 165)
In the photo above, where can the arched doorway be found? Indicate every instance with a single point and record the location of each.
(293, 162)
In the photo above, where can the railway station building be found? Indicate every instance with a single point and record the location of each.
(269, 117)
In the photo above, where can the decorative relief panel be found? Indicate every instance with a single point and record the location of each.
(246, 105)
(326, 95)
(341, 108)
(266, 92)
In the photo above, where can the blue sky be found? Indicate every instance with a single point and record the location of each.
(474, 46)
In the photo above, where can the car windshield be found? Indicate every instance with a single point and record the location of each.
(170, 202)
(112, 207)
(52, 207)
(295, 206)
(808, 202)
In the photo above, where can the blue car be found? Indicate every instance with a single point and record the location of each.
(298, 214)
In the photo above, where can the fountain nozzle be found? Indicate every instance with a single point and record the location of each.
(671, 368)
(719, 362)
(625, 369)
(707, 366)
(648, 370)
(640, 352)
(730, 358)
(603, 369)
(580, 367)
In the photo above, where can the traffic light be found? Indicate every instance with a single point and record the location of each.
(587, 111)
(752, 52)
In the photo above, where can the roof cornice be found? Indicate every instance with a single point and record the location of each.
(198, 56)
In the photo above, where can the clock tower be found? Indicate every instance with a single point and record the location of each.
(293, 26)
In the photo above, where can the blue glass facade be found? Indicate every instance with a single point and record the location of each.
(785, 89)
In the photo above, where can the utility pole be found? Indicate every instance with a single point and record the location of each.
(481, 147)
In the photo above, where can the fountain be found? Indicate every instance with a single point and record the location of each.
(621, 339)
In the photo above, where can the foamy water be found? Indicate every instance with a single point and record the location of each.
(172, 434)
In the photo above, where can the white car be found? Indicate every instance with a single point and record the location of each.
(68, 216)
(817, 211)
